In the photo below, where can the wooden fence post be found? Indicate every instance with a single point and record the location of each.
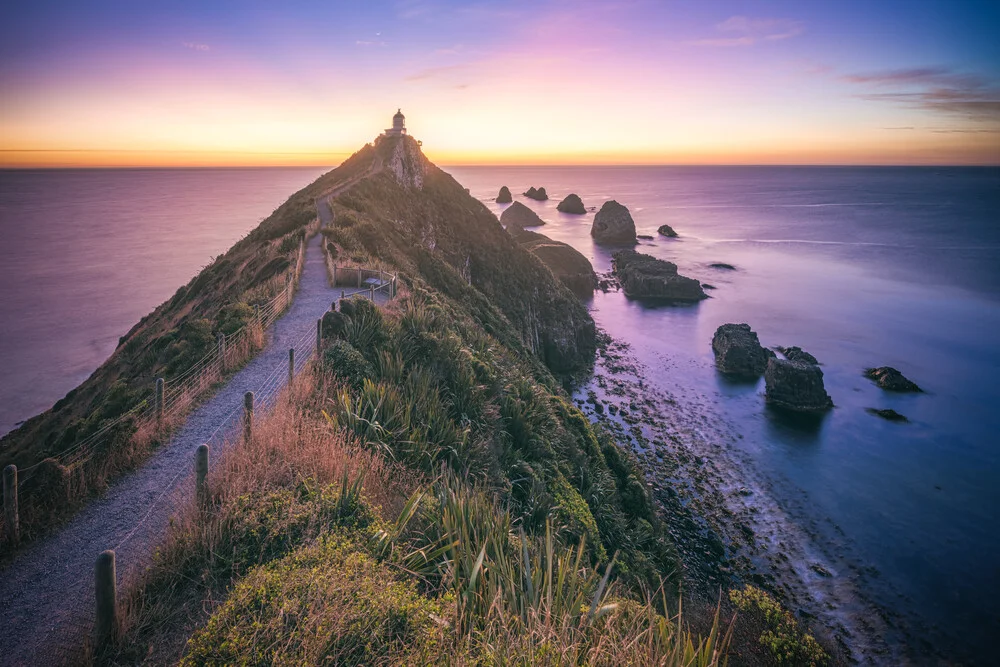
(247, 417)
(107, 596)
(200, 473)
(159, 400)
(10, 504)
(291, 365)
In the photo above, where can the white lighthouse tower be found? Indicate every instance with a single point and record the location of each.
(398, 125)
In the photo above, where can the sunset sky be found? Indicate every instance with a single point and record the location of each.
(558, 82)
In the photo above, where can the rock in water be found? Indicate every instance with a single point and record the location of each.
(504, 197)
(539, 194)
(519, 216)
(613, 225)
(572, 204)
(887, 413)
(723, 266)
(890, 379)
(738, 352)
(795, 385)
(667, 230)
(645, 277)
(798, 354)
(567, 264)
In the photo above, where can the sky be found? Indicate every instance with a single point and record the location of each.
(193, 83)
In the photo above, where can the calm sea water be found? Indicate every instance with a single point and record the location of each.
(859, 266)
(86, 253)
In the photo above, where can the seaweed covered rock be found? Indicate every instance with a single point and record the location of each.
(504, 196)
(667, 230)
(538, 194)
(645, 277)
(519, 216)
(572, 204)
(795, 385)
(890, 379)
(795, 353)
(613, 225)
(738, 352)
(566, 263)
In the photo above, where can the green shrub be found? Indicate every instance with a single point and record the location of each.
(344, 361)
(782, 637)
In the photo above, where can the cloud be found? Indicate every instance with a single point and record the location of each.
(194, 46)
(935, 89)
(746, 31)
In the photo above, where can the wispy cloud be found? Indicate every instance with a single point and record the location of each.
(936, 89)
(195, 46)
(747, 31)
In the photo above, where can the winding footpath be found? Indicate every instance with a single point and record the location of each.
(47, 592)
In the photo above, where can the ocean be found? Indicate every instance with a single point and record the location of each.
(859, 266)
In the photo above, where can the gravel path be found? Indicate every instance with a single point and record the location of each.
(46, 593)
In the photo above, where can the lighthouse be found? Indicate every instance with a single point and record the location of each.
(398, 125)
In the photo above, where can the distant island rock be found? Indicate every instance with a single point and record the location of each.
(572, 204)
(888, 414)
(567, 264)
(536, 194)
(667, 230)
(645, 277)
(519, 216)
(644, 237)
(504, 197)
(795, 385)
(795, 353)
(738, 351)
(613, 225)
(723, 266)
(890, 379)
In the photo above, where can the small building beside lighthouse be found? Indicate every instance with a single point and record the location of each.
(398, 125)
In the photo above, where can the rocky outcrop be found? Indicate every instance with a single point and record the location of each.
(795, 353)
(795, 385)
(572, 204)
(890, 379)
(567, 264)
(538, 195)
(504, 197)
(723, 266)
(519, 216)
(667, 230)
(738, 352)
(407, 164)
(645, 277)
(613, 225)
(887, 414)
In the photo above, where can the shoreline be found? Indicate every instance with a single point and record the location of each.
(727, 521)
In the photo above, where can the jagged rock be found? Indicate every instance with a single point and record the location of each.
(738, 352)
(795, 385)
(890, 379)
(538, 195)
(667, 230)
(569, 266)
(613, 225)
(519, 216)
(887, 413)
(407, 164)
(795, 353)
(504, 197)
(571, 204)
(642, 276)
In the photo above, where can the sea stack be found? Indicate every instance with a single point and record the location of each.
(645, 277)
(668, 231)
(504, 197)
(796, 386)
(613, 225)
(536, 194)
(571, 204)
(519, 216)
(890, 379)
(738, 351)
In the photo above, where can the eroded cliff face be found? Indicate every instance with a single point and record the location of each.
(420, 219)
